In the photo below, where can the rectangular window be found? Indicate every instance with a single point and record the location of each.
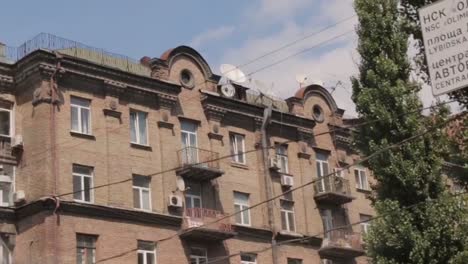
(248, 259)
(5, 120)
(85, 249)
(198, 256)
(287, 216)
(322, 171)
(294, 261)
(282, 157)
(146, 252)
(80, 115)
(7, 184)
(189, 142)
(327, 220)
(139, 127)
(82, 184)
(237, 148)
(365, 225)
(241, 202)
(361, 179)
(141, 192)
(5, 250)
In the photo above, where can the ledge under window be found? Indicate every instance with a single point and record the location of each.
(81, 135)
(239, 165)
(139, 146)
(366, 191)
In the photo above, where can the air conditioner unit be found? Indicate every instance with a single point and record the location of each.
(287, 181)
(19, 196)
(274, 164)
(175, 201)
(17, 141)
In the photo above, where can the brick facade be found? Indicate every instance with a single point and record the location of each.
(42, 231)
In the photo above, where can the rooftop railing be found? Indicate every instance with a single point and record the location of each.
(76, 49)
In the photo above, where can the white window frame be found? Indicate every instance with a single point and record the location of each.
(80, 112)
(140, 190)
(360, 183)
(248, 261)
(199, 259)
(92, 249)
(288, 212)
(4, 247)
(136, 126)
(146, 252)
(327, 221)
(282, 155)
(190, 152)
(320, 168)
(243, 206)
(11, 180)
(365, 225)
(238, 156)
(10, 114)
(82, 178)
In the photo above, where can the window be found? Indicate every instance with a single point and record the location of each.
(138, 127)
(82, 182)
(327, 220)
(361, 179)
(365, 225)
(186, 78)
(193, 197)
(146, 252)
(294, 261)
(141, 192)
(322, 171)
(5, 250)
(198, 256)
(5, 120)
(7, 182)
(237, 148)
(80, 115)
(248, 259)
(317, 113)
(282, 157)
(85, 249)
(241, 202)
(189, 142)
(287, 216)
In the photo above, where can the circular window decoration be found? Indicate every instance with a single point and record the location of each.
(186, 78)
(317, 113)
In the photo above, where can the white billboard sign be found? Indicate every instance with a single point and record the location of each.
(444, 26)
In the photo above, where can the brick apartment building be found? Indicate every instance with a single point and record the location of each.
(73, 117)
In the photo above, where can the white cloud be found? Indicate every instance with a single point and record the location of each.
(211, 35)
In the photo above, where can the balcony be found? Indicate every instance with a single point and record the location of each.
(198, 164)
(338, 244)
(197, 217)
(332, 190)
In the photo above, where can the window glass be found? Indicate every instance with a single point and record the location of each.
(85, 249)
(80, 115)
(141, 192)
(146, 252)
(248, 259)
(138, 127)
(241, 202)
(82, 183)
(237, 148)
(5, 116)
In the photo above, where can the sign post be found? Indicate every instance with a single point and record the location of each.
(444, 25)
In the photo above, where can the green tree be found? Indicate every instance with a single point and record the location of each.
(434, 230)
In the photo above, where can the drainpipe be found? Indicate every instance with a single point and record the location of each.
(268, 185)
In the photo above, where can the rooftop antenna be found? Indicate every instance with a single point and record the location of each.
(230, 74)
(301, 79)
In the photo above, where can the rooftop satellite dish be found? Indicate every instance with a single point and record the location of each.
(232, 73)
(301, 79)
(264, 89)
(180, 183)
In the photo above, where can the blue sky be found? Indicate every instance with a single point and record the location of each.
(222, 31)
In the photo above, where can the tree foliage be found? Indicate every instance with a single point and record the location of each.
(412, 174)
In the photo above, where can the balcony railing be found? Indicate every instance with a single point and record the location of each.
(198, 164)
(341, 243)
(207, 224)
(332, 189)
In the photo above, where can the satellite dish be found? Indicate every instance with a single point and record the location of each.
(264, 89)
(301, 78)
(228, 90)
(232, 73)
(180, 183)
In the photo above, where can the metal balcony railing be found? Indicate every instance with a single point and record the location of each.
(196, 217)
(342, 238)
(332, 184)
(193, 156)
